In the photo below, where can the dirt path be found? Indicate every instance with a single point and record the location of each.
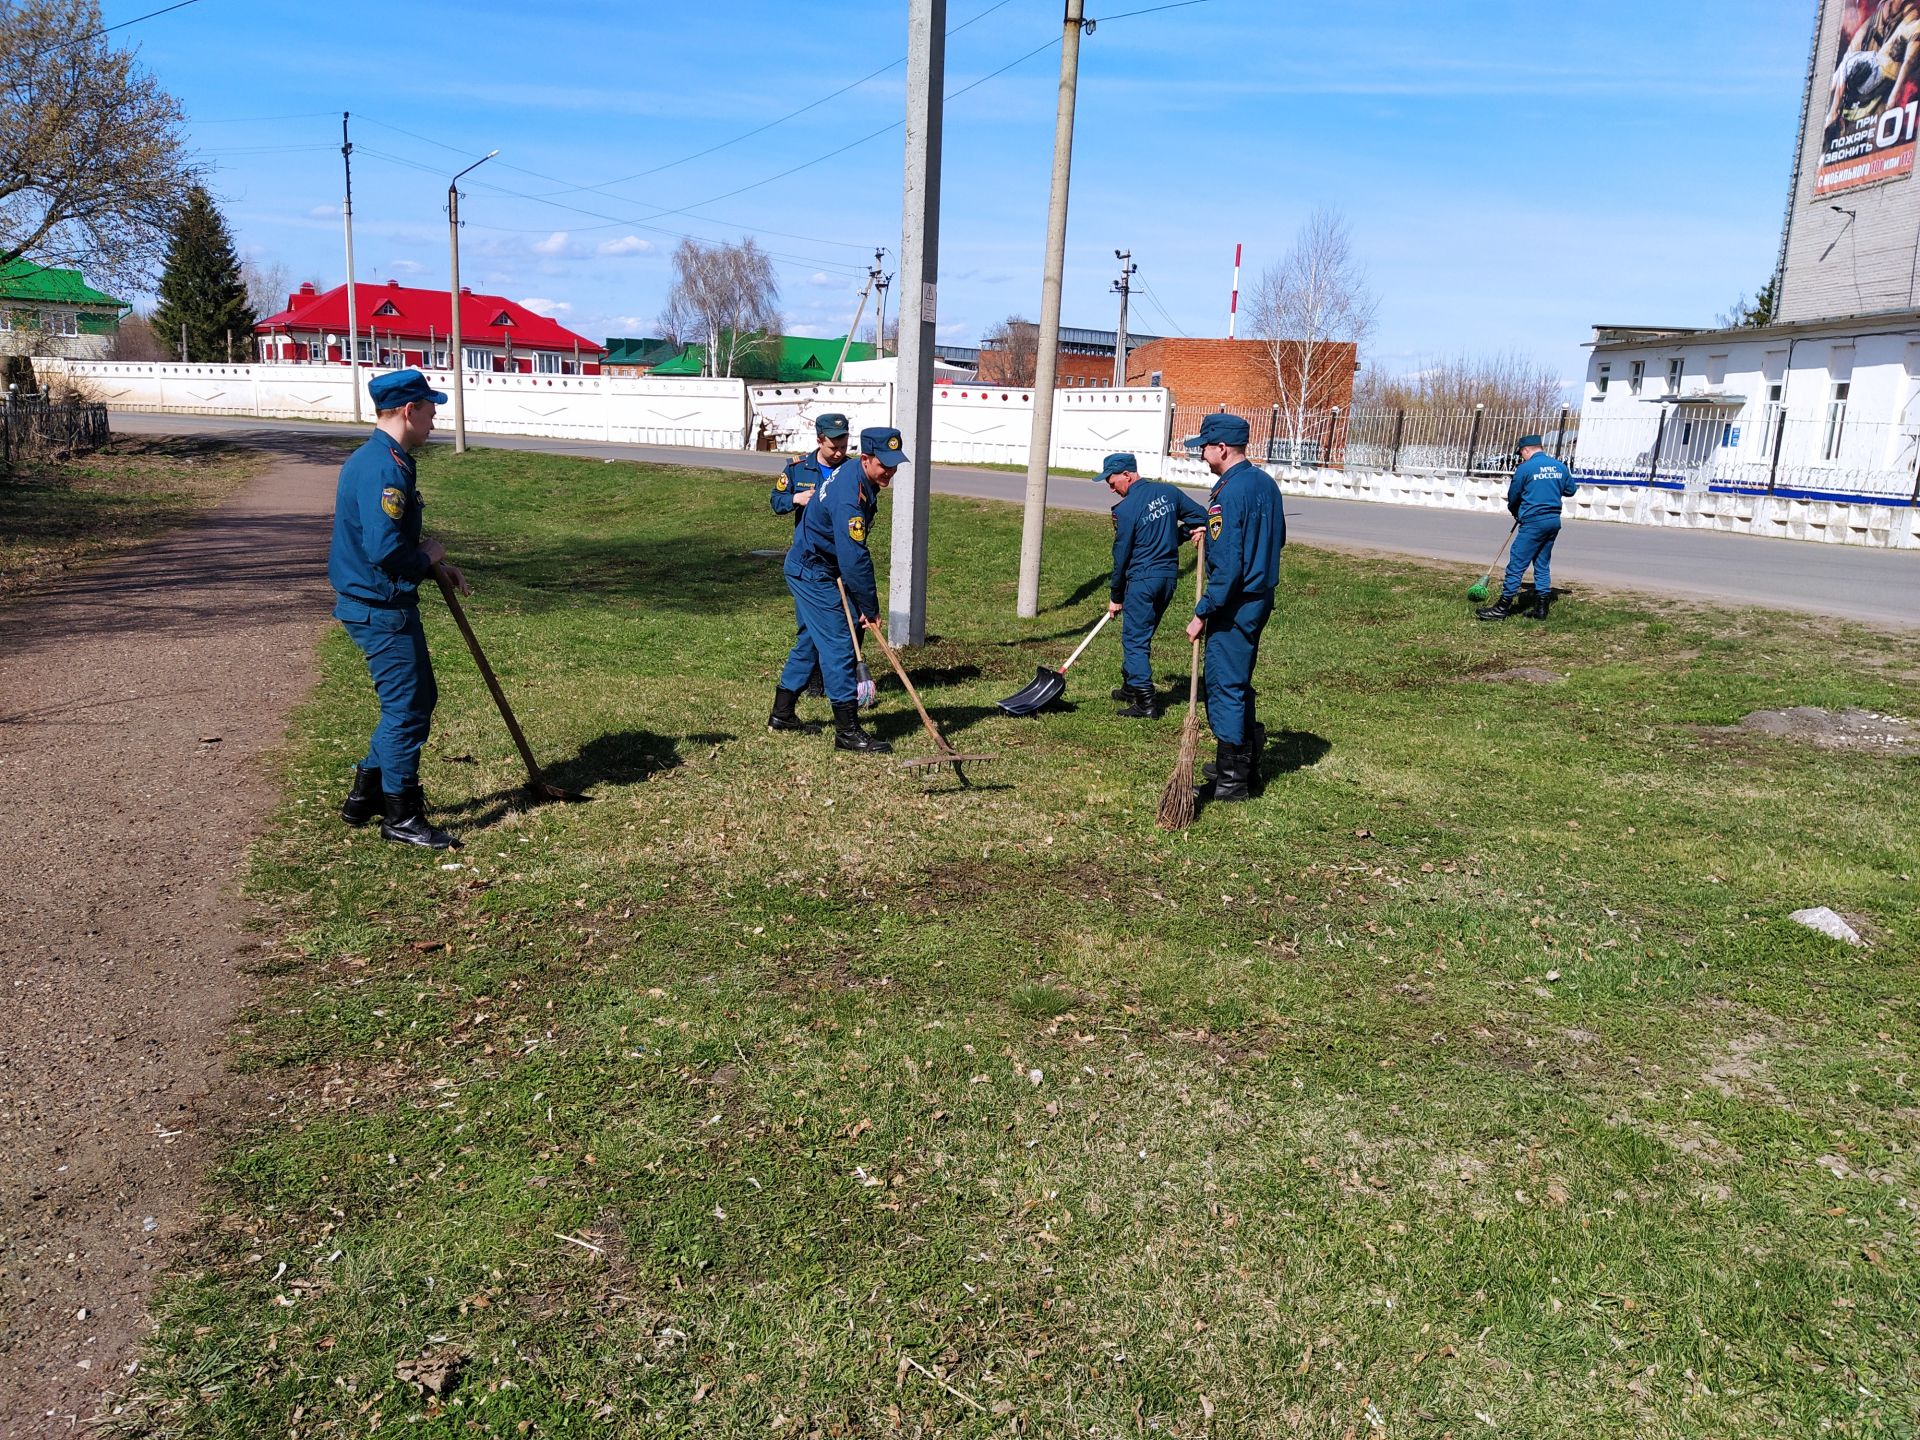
(124, 944)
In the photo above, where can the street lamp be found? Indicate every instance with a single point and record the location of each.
(453, 242)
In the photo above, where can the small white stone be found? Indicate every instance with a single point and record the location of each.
(1819, 917)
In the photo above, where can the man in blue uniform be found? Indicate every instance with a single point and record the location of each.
(1149, 525)
(1534, 496)
(792, 488)
(1246, 528)
(376, 564)
(829, 551)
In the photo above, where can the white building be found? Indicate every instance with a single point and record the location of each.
(1824, 401)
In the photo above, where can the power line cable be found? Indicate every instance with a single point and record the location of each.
(1165, 314)
(1151, 10)
(790, 115)
(151, 14)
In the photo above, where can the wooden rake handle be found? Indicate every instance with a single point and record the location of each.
(486, 673)
(1199, 589)
(893, 659)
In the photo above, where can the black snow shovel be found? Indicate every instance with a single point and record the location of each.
(1047, 684)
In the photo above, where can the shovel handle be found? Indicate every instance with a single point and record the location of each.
(1105, 615)
(486, 673)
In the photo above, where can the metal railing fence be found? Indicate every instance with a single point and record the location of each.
(1467, 441)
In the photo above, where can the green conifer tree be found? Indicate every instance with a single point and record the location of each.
(202, 288)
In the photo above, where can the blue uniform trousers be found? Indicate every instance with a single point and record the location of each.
(395, 645)
(823, 642)
(1532, 545)
(1233, 648)
(1145, 601)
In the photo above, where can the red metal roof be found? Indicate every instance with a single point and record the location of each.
(421, 313)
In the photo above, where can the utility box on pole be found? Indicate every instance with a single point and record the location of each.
(919, 299)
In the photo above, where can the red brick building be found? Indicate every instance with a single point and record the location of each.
(1239, 374)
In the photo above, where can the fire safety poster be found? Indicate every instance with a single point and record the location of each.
(1873, 96)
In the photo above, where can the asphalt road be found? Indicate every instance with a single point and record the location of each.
(1879, 587)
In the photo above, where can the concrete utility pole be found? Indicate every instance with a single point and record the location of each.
(858, 311)
(1123, 287)
(353, 308)
(919, 304)
(1040, 446)
(459, 358)
(880, 284)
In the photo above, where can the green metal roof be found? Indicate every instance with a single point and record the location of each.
(23, 280)
(801, 358)
(625, 350)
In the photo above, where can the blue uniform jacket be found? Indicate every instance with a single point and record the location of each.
(1538, 486)
(376, 556)
(799, 476)
(1246, 528)
(1148, 527)
(833, 535)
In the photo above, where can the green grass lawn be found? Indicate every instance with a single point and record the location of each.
(57, 514)
(1472, 1080)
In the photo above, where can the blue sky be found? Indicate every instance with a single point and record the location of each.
(1513, 172)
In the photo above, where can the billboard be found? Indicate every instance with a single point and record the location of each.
(1873, 96)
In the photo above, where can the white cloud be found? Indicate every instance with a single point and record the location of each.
(633, 324)
(625, 245)
(405, 267)
(549, 308)
(325, 212)
(554, 244)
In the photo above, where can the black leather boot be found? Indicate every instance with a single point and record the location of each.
(1232, 767)
(365, 800)
(1541, 601)
(1122, 692)
(1256, 747)
(847, 734)
(783, 717)
(1499, 610)
(407, 822)
(1143, 703)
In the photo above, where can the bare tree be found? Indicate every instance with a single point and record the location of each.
(268, 283)
(1507, 382)
(93, 168)
(726, 298)
(1010, 352)
(1313, 311)
(135, 340)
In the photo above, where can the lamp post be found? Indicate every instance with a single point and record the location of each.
(453, 244)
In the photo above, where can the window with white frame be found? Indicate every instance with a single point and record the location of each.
(550, 364)
(1602, 378)
(1770, 414)
(1676, 368)
(1636, 376)
(477, 359)
(364, 349)
(1836, 420)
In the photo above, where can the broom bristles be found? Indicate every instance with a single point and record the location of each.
(1176, 801)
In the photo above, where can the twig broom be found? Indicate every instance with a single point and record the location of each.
(1176, 801)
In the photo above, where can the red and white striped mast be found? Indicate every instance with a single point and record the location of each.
(1233, 304)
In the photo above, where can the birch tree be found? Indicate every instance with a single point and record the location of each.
(1307, 310)
(726, 298)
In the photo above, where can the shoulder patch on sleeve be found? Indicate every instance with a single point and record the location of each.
(780, 484)
(393, 500)
(1216, 521)
(857, 528)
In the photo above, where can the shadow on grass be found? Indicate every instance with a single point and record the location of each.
(621, 757)
(1291, 750)
(704, 574)
(1085, 591)
(952, 720)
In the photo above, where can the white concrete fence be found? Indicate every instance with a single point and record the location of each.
(972, 424)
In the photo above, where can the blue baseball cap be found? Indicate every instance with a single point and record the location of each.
(1116, 464)
(1529, 440)
(401, 387)
(830, 426)
(1221, 428)
(883, 444)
